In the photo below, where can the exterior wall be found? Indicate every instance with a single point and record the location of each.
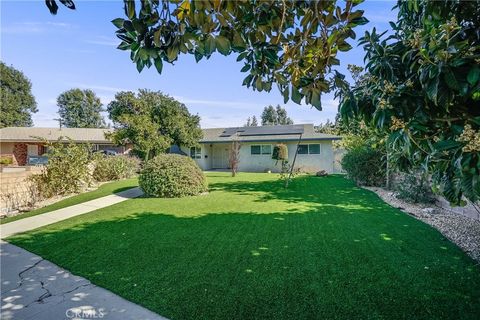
(305, 162)
(261, 163)
(205, 162)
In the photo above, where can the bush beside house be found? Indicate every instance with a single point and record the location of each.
(365, 165)
(109, 168)
(171, 176)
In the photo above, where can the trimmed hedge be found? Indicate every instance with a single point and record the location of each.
(366, 166)
(172, 176)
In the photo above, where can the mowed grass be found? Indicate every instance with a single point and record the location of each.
(322, 249)
(104, 190)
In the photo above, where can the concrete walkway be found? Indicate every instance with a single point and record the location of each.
(34, 288)
(44, 219)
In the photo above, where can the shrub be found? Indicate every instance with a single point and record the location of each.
(414, 188)
(280, 152)
(68, 169)
(172, 175)
(365, 165)
(114, 167)
(6, 160)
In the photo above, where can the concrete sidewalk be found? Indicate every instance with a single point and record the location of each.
(44, 219)
(34, 288)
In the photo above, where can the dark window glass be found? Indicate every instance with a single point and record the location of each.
(314, 148)
(266, 149)
(303, 149)
(255, 149)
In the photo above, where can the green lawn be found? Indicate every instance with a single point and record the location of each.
(323, 249)
(104, 190)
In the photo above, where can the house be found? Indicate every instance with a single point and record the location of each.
(315, 151)
(24, 144)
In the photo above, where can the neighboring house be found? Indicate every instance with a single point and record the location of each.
(24, 147)
(315, 150)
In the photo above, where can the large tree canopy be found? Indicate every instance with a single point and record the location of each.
(293, 44)
(422, 87)
(80, 109)
(152, 122)
(17, 100)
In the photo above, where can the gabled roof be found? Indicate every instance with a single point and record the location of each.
(30, 134)
(265, 134)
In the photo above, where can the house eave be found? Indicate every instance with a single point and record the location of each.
(270, 140)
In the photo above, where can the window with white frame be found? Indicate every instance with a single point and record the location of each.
(313, 148)
(261, 149)
(196, 153)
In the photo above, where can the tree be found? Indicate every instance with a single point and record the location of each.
(293, 44)
(272, 116)
(251, 122)
(254, 122)
(282, 117)
(17, 100)
(152, 122)
(421, 87)
(269, 116)
(234, 156)
(80, 109)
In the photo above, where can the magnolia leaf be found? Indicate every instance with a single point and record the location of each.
(223, 45)
(473, 76)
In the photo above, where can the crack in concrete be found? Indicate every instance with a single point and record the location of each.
(20, 276)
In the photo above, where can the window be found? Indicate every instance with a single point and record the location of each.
(266, 149)
(314, 148)
(196, 153)
(303, 149)
(261, 149)
(255, 150)
(309, 148)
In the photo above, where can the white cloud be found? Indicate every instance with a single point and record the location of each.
(35, 27)
(104, 41)
(239, 105)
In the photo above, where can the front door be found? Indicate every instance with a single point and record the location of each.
(220, 157)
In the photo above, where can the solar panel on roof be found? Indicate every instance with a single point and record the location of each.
(263, 130)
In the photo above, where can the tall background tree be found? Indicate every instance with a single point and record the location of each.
(272, 116)
(421, 86)
(17, 101)
(251, 122)
(80, 109)
(152, 122)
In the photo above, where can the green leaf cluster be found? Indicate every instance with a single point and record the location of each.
(152, 121)
(421, 86)
(172, 176)
(17, 100)
(293, 44)
(80, 109)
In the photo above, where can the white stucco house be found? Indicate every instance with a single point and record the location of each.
(315, 151)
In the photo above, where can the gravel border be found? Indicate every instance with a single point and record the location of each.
(461, 230)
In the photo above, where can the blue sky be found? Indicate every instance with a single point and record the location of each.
(78, 49)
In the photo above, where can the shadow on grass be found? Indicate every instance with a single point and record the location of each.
(323, 191)
(274, 265)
